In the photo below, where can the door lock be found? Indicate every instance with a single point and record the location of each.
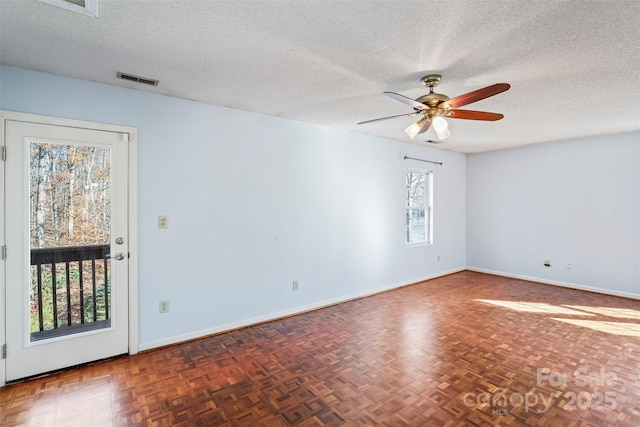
(119, 241)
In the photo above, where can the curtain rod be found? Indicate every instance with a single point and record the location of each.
(423, 160)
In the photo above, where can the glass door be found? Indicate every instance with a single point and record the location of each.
(67, 250)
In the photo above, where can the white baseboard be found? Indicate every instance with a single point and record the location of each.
(557, 283)
(286, 313)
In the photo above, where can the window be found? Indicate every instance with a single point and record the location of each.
(419, 224)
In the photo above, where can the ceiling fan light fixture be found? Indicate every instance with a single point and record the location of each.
(441, 127)
(413, 129)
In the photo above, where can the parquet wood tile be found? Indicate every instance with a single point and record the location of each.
(467, 349)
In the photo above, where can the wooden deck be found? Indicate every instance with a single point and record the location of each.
(467, 349)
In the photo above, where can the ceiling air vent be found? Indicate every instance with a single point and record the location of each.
(84, 7)
(137, 79)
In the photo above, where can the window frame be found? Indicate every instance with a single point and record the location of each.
(427, 207)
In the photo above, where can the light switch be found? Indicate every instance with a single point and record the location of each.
(163, 221)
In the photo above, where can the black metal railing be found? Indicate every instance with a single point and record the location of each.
(71, 290)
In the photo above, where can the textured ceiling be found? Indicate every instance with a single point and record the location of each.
(573, 66)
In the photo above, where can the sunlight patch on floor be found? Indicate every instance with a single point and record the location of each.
(616, 328)
(623, 313)
(535, 307)
(86, 404)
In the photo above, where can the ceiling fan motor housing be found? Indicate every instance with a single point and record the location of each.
(432, 99)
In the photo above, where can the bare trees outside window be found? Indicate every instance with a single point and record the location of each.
(70, 195)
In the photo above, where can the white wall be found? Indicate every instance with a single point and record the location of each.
(576, 201)
(255, 202)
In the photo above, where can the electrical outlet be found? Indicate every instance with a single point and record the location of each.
(569, 265)
(547, 263)
(164, 306)
(295, 285)
(163, 221)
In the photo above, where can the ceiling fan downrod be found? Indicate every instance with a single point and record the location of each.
(431, 81)
(432, 99)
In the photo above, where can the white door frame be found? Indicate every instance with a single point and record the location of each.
(132, 218)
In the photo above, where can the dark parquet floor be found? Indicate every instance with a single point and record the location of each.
(467, 349)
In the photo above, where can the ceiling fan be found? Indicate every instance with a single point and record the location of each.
(434, 107)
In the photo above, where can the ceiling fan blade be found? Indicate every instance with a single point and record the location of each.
(387, 118)
(474, 115)
(475, 96)
(415, 104)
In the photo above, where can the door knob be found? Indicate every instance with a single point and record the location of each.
(119, 256)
